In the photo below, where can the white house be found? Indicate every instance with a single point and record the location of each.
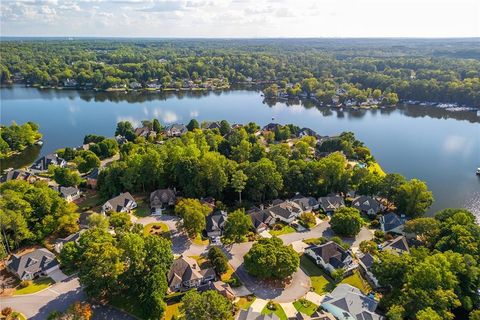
(286, 211)
(37, 263)
(124, 202)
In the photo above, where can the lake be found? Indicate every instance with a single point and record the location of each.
(434, 145)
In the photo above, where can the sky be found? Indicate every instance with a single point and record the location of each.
(241, 18)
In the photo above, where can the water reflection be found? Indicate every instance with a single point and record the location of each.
(21, 160)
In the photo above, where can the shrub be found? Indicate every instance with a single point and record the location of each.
(6, 311)
(25, 283)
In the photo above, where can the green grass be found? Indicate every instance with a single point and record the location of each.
(315, 241)
(284, 230)
(159, 228)
(202, 261)
(375, 168)
(244, 303)
(357, 281)
(37, 285)
(320, 281)
(227, 275)
(199, 241)
(304, 306)
(278, 311)
(172, 310)
(128, 304)
(90, 201)
(143, 209)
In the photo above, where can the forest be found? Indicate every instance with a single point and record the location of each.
(423, 70)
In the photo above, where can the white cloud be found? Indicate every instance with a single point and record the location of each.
(169, 117)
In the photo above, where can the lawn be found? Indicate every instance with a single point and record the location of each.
(375, 168)
(37, 285)
(243, 303)
(143, 209)
(202, 261)
(172, 310)
(284, 230)
(304, 306)
(227, 275)
(128, 304)
(315, 241)
(157, 228)
(90, 201)
(199, 241)
(320, 281)
(278, 311)
(357, 281)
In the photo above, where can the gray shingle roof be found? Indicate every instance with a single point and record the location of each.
(331, 252)
(331, 203)
(16, 175)
(121, 201)
(306, 203)
(365, 203)
(215, 221)
(286, 209)
(33, 262)
(398, 243)
(44, 162)
(186, 269)
(253, 315)
(391, 221)
(161, 197)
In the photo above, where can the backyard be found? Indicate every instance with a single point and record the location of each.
(320, 281)
(304, 306)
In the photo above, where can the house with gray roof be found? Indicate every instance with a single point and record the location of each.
(92, 178)
(365, 262)
(330, 204)
(367, 205)
(18, 174)
(185, 273)
(250, 314)
(261, 219)
(306, 203)
(37, 263)
(285, 211)
(346, 302)
(331, 256)
(306, 132)
(68, 193)
(397, 245)
(61, 242)
(161, 199)
(175, 130)
(215, 222)
(124, 202)
(211, 125)
(42, 164)
(391, 222)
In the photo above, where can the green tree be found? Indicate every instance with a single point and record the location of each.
(209, 305)
(308, 219)
(428, 314)
(193, 124)
(238, 182)
(66, 177)
(237, 226)
(426, 229)
(346, 222)
(86, 161)
(157, 127)
(413, 198)
(218, 260)
(395, 312)
(123, 127)
(120, 221)
(193, 214)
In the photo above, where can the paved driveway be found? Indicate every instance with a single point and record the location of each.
(58, 275)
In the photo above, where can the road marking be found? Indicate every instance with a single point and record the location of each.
(56, 292)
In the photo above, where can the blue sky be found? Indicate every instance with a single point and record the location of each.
(241, 18)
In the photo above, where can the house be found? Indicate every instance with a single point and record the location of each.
(215, 223)
(68, 193)
(135, 85)
(331, 256)
(221, 287)
(83, 220)
(185, 273)
(37, 263)
(346, 302)
(330, 204)
(306, 132)
(367, 205)
(250, 314)
(305, 203)
(391, 222)
(74, 237)
(161, 199)
(211, 125)
(365, 262)
(124, 202)
(142, 132)
(397, 245)
(175, 130)
(320, 314)
(18, 174)
(261, 219)
(286, 211)
(42, 164)
(271, 127)
(120, 139)
(92, 178)
(70, 83)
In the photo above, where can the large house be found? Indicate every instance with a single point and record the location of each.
(250, 314)
(346, 302)
(305, 203)
(211, 125)
(286, 211)
(397, 245)
(261, 219)
(37, 263)
(271, 127)
(367, 205)
(306, 132)
(68, 193)
(331, 256)
(330, 204)
(42, 164)
(365, 261)
(185, 273)
(391, 222)
(221, 287)
(215, 223)
(18, 174)
(175, 130)
(161, 199)
(124, 202)
(74, 237)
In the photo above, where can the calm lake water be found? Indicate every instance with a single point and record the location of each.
(437, 146)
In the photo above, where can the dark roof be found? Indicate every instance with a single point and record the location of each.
(365, 203)
(33, 262)
(391, 221)
(367, 260)
(83, 219)
(16, 175)
(306, 203)
(186, 269)
(331, 252)
(260, 218)
(121, 201)
(44, 162)
(177, 127)
(93, 174)
(271, 126)
(399, 243)
(161, 197)
(66, 191)
(331, 203)
(308, 132)
(253, 315)
(215, 221)
(211, 125)
(285, 209)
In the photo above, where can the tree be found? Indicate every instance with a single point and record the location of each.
(237, 226)
(120, 221)
(66, 177)
(426, 229)
(193, 214)
(238, 182)
(474, 315)
(270, 258)
(157, 127)
(97, 220)
(395, 313)
(86, 161)
(308, 219)
(209, 305)
(70, 255)
(346, 222)
(224, 127)
(193, 124)
(367, 246)
(390, 184)
(123, 127)
(264, 181)
(428, 314)
(413, 198)
(218, 260)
